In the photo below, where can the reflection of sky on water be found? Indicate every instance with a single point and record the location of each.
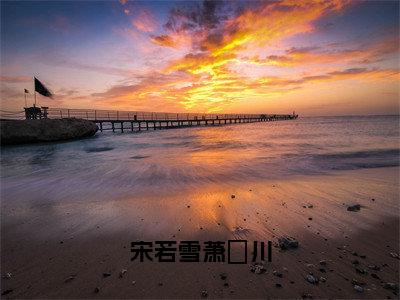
(110, 165)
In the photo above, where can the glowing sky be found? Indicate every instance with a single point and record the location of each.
(315, 57)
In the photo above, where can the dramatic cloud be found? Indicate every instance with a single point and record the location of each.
(213, 55)
(220, 35)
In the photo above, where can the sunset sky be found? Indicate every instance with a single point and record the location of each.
(316, 57)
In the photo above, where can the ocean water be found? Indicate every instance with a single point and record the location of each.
(112, 165)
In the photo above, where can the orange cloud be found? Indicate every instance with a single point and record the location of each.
(144, 21)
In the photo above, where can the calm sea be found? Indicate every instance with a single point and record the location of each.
(118, 164)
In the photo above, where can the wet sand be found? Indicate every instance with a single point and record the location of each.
(61, 250)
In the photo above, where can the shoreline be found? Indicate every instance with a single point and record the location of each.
(96, 238)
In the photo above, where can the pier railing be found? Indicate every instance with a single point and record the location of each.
(114, 115)
(105, 115)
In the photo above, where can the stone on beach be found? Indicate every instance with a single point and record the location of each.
(391, 286)
(122, 273)
(358, 288)
(257, 268)
(286, 242)
(355, 207)
(311, 279)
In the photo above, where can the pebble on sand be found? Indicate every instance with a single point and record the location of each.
(306, 296)
(394, 255)
(358, 288)
(7, 292)
(257, 268)
(122, 273)
(70, 278)
(355, 207)
(233, 196)
(311, 279)
(391, 286)
(278, 274)
(286, 242)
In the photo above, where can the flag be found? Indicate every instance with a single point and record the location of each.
(41, 89)
(26, 91)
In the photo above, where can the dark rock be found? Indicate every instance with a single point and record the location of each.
(311, 279)
(391, 286)
(45, 130)
(361, 271)
(257, 268)
(373, 275)
(122, 273)
(374, 267)
(358, 288)
(97, 289)
(226, 284)
(204, 293)
(107, 274)
(355, 207)
(6, 292)
(306, 296)
(278, 285)
(278, 274)
(287, 242)
(223, 276)
(356, 282)
(70, 278)
(233, 196)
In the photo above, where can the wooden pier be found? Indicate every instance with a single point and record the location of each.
(122, 121)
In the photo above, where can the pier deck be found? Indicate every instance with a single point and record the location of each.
(137, 121)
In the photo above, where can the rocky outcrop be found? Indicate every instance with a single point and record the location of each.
(44, 130)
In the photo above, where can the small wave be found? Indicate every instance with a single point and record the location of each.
(99, 149)
(367, 159)
(140, 156)
(361, 154)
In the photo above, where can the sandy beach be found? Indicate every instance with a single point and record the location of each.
(63, 250)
